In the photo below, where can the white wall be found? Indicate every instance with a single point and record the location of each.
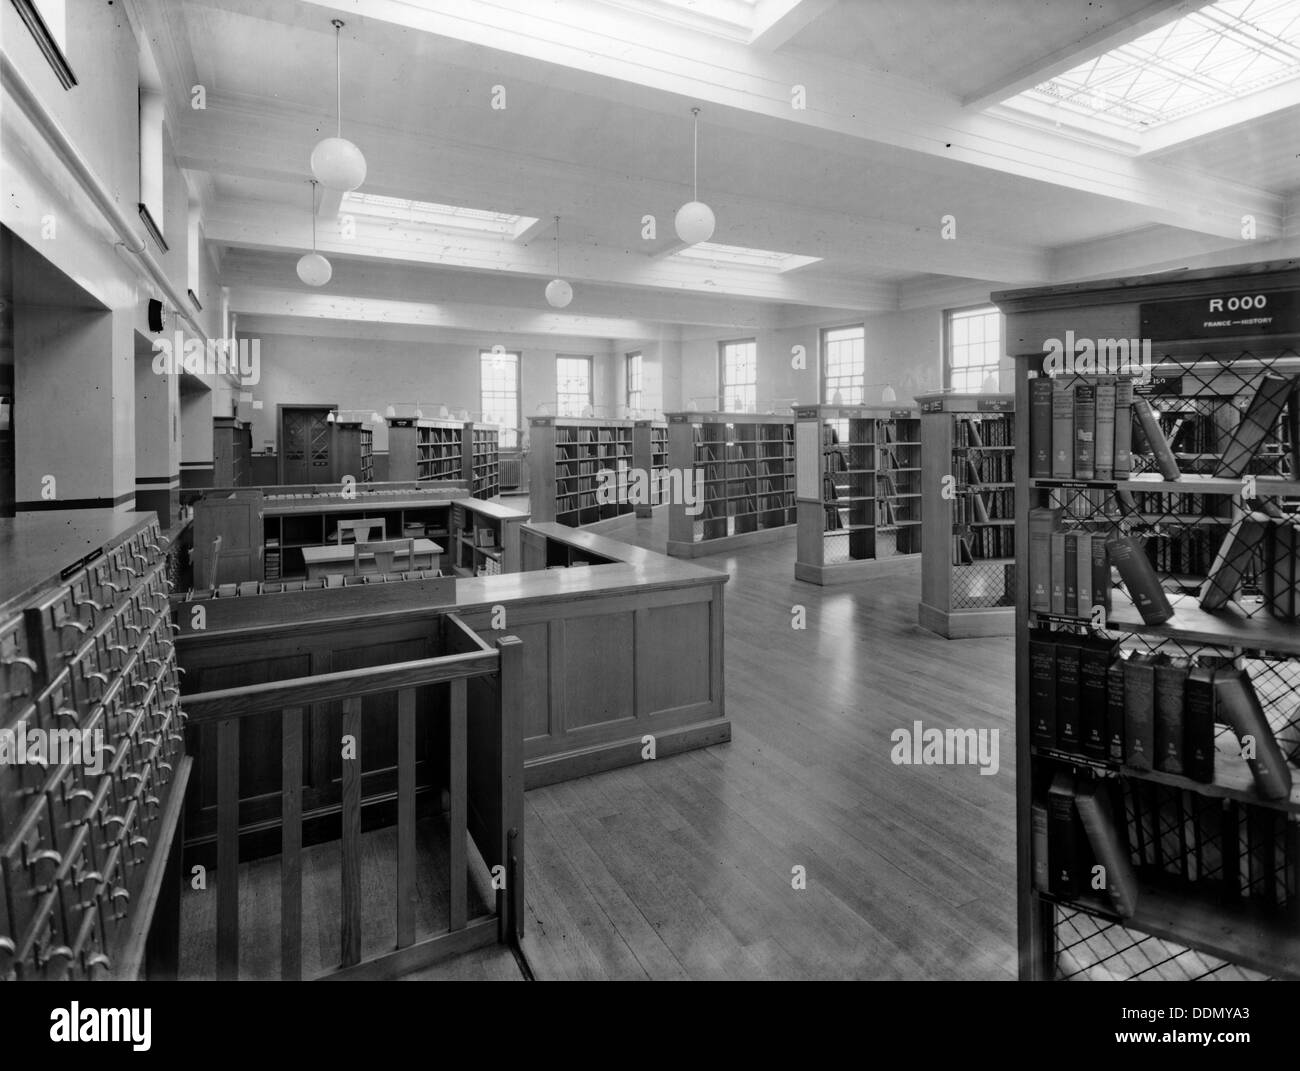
(372, 374)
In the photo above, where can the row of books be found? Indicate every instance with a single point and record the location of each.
(1096, 835)
(985, 467)
(988, 431)
(972, 546)
(590, 435)
(893, 511)
(1262, 544)
(973, 506)
(1090, 428)
(1147, 711)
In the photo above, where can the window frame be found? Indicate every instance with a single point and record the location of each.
(634, 404)
(509, 435)
(949, 368)
(723, 385)
(591, 384)
(826, 392)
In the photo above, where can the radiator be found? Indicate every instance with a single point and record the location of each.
(510, 471)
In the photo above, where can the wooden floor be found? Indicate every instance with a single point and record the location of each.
(259, 912)
(682, 867)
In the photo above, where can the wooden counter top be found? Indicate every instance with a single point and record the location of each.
(636, 570)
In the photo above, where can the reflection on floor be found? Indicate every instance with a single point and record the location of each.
(684, 867)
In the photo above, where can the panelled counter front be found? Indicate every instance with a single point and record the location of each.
(619, 643)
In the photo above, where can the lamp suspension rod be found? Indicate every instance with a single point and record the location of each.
(338, 74)
(695, 155)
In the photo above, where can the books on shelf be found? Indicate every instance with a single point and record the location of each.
(1257, 423)
(1240, 708)
(1139, 578)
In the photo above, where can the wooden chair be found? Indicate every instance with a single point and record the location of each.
(359, 530)
(385, 554)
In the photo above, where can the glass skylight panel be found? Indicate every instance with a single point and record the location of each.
(444, 217)
(1220, 53)
(735, 256)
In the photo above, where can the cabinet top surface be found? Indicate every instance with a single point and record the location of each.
(36, 547)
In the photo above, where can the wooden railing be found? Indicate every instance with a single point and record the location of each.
(485, 792)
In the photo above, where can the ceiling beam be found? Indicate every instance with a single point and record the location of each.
(776, 21)
(1110, 35)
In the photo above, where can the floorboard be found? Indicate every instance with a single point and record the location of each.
(682, 867)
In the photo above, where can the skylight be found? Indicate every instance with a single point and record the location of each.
(735, 256)
(1220, 53)
(444, 217)
(727, 17)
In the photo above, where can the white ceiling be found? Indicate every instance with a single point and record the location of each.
(597, 130)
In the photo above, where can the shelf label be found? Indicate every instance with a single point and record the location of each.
(994, 405)
(1240, 312)
(932, 405)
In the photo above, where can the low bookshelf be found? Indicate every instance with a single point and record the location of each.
(741, 469)
(1157, 726)
(968, 570)
(858, 492)
(650, 457)
(578, 469)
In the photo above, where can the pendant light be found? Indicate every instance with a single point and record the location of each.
(695, 221)
(558, 292)
(888, 396)
(314, 269)
(336, 162)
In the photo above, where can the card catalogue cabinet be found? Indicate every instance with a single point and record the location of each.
(95, 770)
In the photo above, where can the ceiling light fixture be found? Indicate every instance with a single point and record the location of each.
(695, 220)
(336, 162)
(314, 269)
(558, 292)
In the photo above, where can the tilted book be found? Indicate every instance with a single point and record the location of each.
(1140, 579)
(1155, 438)
(1259, 421)
(1092, 800)
(1242, 547)
(1239, 707)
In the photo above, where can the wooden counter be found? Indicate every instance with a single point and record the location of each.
(613, 652)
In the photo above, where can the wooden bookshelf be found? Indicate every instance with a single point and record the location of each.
(425, 449)
(858, 492)
(650, 456)
(482, 444)
(742, 466)
(420, 449)
(484, 538)
(968, 571)
(354, 450)
(232, 452)
(1216, 865)
(568, 456)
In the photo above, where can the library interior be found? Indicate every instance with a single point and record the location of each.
(649, 489)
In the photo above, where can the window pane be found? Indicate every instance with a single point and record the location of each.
(499, 394)
(974, 347)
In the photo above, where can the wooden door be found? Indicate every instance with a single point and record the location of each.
(305, 439)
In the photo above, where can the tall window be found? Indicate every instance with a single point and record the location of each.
(844, 365)
(572, 385)
(632, 366)
(974, 347)
(499, 393)
(738, 374)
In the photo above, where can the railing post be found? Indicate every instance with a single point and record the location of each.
(350, 933)
(510, 718)
(228, 850)
(458, 788)
(291, 845)
(406, 857)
